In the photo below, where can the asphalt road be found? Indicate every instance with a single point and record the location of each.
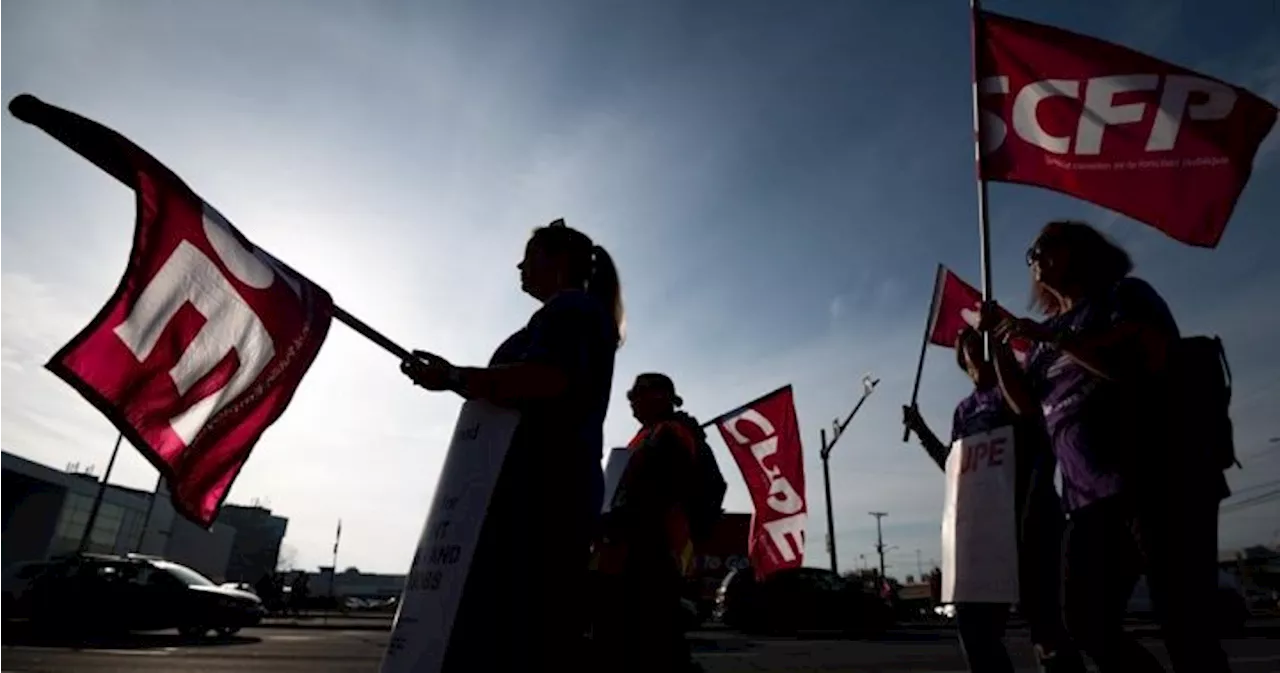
(282, 650)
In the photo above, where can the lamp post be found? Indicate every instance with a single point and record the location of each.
(837, 429)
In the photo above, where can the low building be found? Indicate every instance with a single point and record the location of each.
(46, 511)
(351, 583)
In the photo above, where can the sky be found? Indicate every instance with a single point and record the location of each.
(777, 182)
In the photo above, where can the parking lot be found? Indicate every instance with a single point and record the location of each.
(342, 650)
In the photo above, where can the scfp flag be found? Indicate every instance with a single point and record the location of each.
(1164, 145)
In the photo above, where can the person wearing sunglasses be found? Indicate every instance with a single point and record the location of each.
(1097, 374)
(646, 550)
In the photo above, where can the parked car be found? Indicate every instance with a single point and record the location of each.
(107, 593)
(799, 599)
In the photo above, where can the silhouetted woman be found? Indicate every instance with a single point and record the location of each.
(1039, 522)
(1098, 375)
(558, 372)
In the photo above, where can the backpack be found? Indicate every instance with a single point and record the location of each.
(1200, 379)
(707, 497)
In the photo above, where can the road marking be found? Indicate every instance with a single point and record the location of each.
(289, 637)
(150, 652)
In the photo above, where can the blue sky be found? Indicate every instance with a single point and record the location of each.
(776, 180)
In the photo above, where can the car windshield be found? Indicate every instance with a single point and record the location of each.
(184, 574)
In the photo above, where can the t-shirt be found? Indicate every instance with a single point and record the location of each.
(575, 333)
(984, 410)
(1099, 429)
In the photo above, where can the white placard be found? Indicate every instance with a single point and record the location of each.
(433, 589)
(613, 471)
(979, 521)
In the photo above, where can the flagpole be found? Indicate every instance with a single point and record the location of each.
(337, 538)
(924, 342)
(151, 508)
(97, 501)
(984, 224)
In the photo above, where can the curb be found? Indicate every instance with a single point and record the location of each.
(331, 625)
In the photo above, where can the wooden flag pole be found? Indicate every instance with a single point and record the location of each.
(924, 342)
(370, 333)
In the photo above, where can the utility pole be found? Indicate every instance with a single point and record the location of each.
(919, 566)
(880, 539)
(838, 428)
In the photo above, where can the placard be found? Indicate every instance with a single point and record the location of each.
(979, 521)
(434, 587)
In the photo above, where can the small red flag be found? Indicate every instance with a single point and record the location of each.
(206, 338)
(764, 438)
(1164, 145)
(958, 305)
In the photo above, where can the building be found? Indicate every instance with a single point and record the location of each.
(256, 548)
(46, 511)
(351, 583)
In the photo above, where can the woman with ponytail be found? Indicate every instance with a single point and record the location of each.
(535, 542)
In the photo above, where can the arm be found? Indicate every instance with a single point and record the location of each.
(933, 446)
(560, 352)
(1148, 343)
(510, 385)
(1014, 383)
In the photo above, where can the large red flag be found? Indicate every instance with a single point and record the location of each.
(206, 338)
(957, 304)
(1164, 145)
(764, 438)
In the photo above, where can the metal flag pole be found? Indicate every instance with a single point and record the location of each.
(333, 575)
(838, 428)
(97, 500)
(924, 341)
(984, 224)
(151, 508)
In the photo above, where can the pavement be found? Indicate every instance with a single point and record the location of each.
(302, 650)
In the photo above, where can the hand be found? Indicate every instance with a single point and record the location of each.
(989, 316)
(1023, 328)
(912, 419)
(429, 371)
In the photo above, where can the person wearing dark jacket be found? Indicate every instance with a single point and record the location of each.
(1040, 522)
(646, 549)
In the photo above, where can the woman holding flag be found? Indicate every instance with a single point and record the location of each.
(534, 544)
(1098, 374)
(981, 626)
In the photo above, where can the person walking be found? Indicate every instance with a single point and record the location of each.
(535, 542)
(1138, 502)
(1039, 519)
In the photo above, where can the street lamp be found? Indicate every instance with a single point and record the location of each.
(837, 429)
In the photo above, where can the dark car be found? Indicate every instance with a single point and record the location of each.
(799, 599)
(101, 593)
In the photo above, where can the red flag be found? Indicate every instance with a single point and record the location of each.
(1164, 145)
(206, 338)
(764, 438)
(958, 305)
